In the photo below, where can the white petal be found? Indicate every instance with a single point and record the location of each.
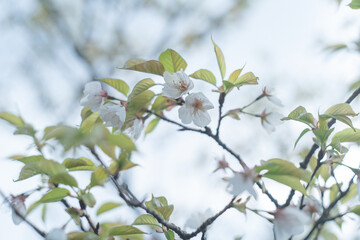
(171, 92)
(56, 234)
(268, 127)
(185, 114)
(19, 205)
(92, 88)
(275, 118)
(275, 100)
(201, 118)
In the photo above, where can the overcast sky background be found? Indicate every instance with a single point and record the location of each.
(281, 41)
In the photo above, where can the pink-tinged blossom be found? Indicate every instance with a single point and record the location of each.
(268, 94)
(289, 221)
(196, 219)
(112, 114)
(94, 96)
(242, 181)
(56, 234)
(18, 204)
(270, 119)
(176, 84)
(195, 109)
(134, 131)
(312, 206)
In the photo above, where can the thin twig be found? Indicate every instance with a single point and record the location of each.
(40, 232)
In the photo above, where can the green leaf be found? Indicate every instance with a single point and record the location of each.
(247, 79)
(12, 119)
(322, 134)
(234, 75)
(140, 87)
(98, 177)
(220, 59)
(125, 230)
(165, 211)
(350, 195)
(356, 210)
(75, 214)
(160, 205)
(301, 135)
(334, 190)
(169, 235)
(88, 199)
(152, 66)
(88, 123)
(82, 236)
(30, 159)
(138, 104)
(107, 207)
(206, 75)
(172, 61)
(32, 207)
(341, 109)
(123, 141)
(151, 126)
(54, 195)
(301, 115)
(118, 84)
(43, 212)
(146, 219)
(75, 164)
(284, 172)
(355, 4)
(346, 135)
(341, 118)
(25, 130)
(160, 103)
(63, 178)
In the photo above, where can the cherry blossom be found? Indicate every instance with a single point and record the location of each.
(242, 181)
(112, 114)
(270, 119)
(196, 219)
(268, 94)
(56, 234)
(176, 84)
(18, 204)
(312, 206)
(195, 109)
(289, 221)
(134, 131)
(94, 96)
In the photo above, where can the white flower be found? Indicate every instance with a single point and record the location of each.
(268, 94)
(312, 206)
(358, 187)
(176, 84)
(18, 204)
(56, 234)
(270, 120)
(94, 96)
(112, 114)
(289, 221)
(242, 181)
(196, 219)
(135, 129)
(195, 109)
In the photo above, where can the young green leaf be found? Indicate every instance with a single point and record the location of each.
(139, 104)
(12, 119)
(88, 123)
(151, 126)
(172, 61)
(81, 163)
(356, 210)
(146, 219)
(140, 87)
(206, 75)
(123, 141)
(118, 84)
(341, 109)
(355, 4)
(169, 235)
(220, 59)
(82, 236)
(301, 115)
(88, 199)
(301, 135)
(98, 177)
(107, 207)
(234, 75)
(152, 66)
(125, 230)
(247, 79)
(54, 195)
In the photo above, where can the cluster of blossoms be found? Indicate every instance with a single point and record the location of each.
(112, 113)
(196, 104)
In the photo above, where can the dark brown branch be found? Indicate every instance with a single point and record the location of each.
(132, 201)
(40, 232)
(221, 104)
(324, 216)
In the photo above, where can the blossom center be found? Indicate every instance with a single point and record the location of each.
(197, 105)
(182, 86)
